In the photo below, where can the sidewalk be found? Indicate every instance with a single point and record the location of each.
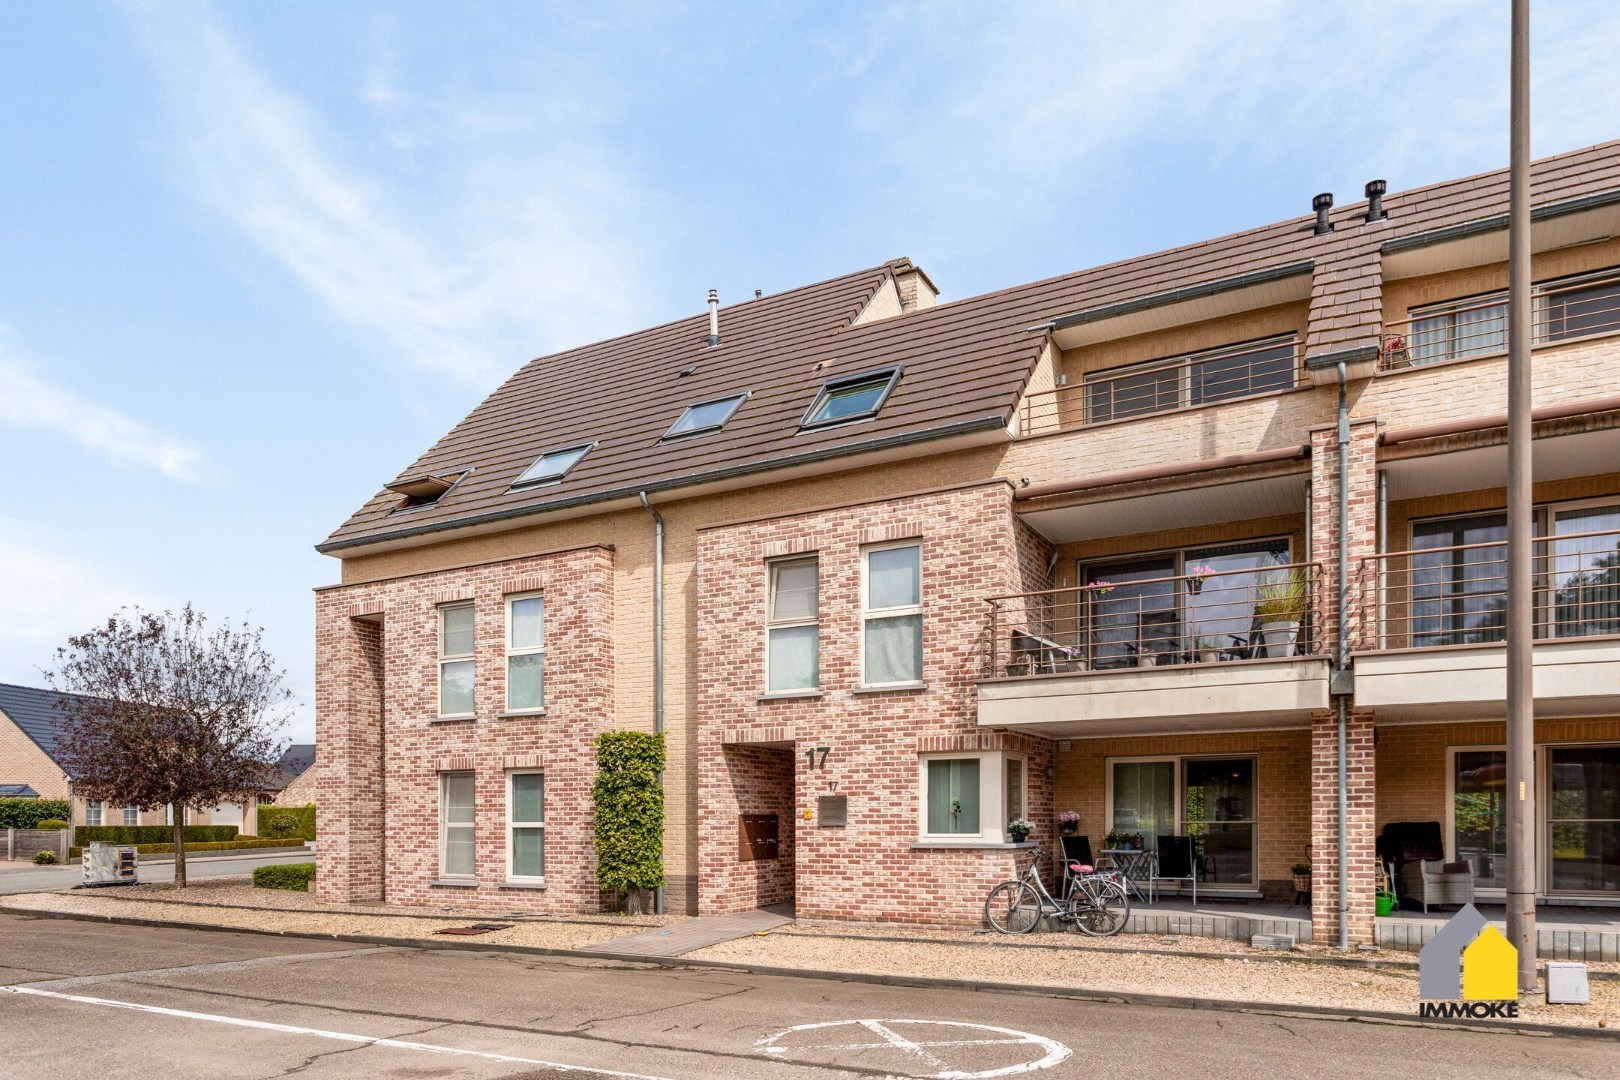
(1141, 968)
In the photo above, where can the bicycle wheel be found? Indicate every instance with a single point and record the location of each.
(1101, 909)
(1013, 908)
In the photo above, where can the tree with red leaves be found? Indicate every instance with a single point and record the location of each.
(168, 711)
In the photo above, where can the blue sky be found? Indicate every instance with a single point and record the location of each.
(257, 257)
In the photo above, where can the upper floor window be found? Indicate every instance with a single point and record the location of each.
(553, 465)
(1451, 331)
(1201, 378)
(1570, 307)
(525, 652)
(851, 397)
(891, 611)
(456, 660)
(706, 416)
(793, 632)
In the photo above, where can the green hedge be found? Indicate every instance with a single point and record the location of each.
(303, 815)
(192, 849)
(292, 876)
(154, 834)
(28, 813)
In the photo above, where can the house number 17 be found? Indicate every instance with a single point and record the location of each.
(817, 757)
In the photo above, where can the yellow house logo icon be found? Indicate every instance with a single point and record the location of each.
(1468, 969)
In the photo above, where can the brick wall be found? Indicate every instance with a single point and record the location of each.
(23, 762)
(383, 750)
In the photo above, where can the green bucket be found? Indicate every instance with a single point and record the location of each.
(1385, 902)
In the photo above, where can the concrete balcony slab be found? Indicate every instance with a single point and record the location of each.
(1469, 682)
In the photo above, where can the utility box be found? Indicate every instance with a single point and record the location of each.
(1566, 983)
(110, 864)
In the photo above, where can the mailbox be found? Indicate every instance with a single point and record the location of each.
(832, 811)
(756, 837)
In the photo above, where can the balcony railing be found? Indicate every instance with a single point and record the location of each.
(1239, 371)
(1194, 618)
(1457, 595)
(1577, 307)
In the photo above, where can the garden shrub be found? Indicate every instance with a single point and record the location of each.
(50, 823)
(292, 876)
(192, 849)
(155, 834)
(279, 824)
(28, 813)
(44, 858)
(303, 815)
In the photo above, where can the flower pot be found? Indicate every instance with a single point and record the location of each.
(1280, 636)
(1209, 656)
(1069, 828)
(1018, 837)
(1302, 883)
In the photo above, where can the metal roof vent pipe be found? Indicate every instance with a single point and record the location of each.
(1375, 200)
(1322, 204)
(714, 318)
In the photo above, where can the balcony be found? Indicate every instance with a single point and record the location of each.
(1579, 307)
(1434, 624)
(1159, 386)
(1241, 647)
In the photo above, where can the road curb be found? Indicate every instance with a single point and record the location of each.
(1312, 1012)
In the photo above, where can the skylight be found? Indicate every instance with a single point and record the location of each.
(851, 397)
(553, 465)
(424, 489)
(705, 416)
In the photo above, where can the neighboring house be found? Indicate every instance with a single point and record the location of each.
(296, 776)
(928, 567)
(28, 757)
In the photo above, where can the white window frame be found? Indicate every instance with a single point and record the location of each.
(438, 682)
(773, 623)
(512, 825)
(95, 812)
(132, 816)
(992, 796)
(538, 650)
(444, 826)
(868, 613)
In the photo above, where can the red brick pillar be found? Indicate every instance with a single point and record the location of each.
(349, 730)
(1362, 535)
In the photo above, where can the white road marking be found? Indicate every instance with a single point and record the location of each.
(341, 1036)
(196, 969)
(1055, 1052)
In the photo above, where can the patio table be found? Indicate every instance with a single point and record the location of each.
(1133, 864)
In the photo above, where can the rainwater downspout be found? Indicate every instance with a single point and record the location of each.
(658, 647)
(1343, 651)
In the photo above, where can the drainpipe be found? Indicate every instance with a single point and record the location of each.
(1343, 652)
(658, 647)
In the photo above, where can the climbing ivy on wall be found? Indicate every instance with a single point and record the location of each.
(629, 812)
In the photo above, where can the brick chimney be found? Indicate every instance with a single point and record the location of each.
(916, 290)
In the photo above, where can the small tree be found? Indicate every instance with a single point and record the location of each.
(168, 712)
(629, 814)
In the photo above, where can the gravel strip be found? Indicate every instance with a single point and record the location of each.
(1261, 979)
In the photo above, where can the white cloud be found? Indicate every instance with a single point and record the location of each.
(530, 250)
(27, 400)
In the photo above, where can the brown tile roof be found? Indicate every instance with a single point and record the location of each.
(965, 361)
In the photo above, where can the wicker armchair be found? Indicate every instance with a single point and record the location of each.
(1431, 881)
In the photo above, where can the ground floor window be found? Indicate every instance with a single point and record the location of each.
(93, 812)
(526, 826)
(132, 815)
(972, 796)
(1209, 799)
(456, 828)
(1578, 816)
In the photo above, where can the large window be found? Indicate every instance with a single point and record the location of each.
(971, 797)
(892, 615)
(953, 797)
(525, 653)
(1471, 327)
(1459, 580)
(793, 633)
(1211, 800)
(1583, 567)
(1479, 814)
(457, 840)
(1202, 378)
(456, 660)
(1571, 307)
(526, 826)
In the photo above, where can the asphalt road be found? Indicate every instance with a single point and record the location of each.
(42, 879)
(89, 999)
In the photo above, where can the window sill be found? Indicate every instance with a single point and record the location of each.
(519, 714)
(465, 718)
(452, 883)
(890, 688)
(788, 695)
(540, 885)
(970, 845)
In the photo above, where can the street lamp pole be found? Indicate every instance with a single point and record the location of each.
(1521, 787)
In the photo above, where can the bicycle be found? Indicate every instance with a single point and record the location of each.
(1095, 904)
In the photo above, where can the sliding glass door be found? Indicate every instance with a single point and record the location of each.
(1211, 800)
(1479, 814)
(1582, 811)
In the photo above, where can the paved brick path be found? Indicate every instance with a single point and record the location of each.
(695, 933)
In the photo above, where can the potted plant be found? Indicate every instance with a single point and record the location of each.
(1196, 576)
(1069, 658)
(1209, 651)
(1019, 829)
(1280, 605)
(1134, 842)
(1395, 354)
(1115, 839)
(1302, 877)
(1068, 823)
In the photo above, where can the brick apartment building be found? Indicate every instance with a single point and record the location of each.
(928, 567)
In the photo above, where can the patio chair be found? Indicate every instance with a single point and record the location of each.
(1076, 851)
(1418, 854)
(1175, 863)
(1160, 634)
